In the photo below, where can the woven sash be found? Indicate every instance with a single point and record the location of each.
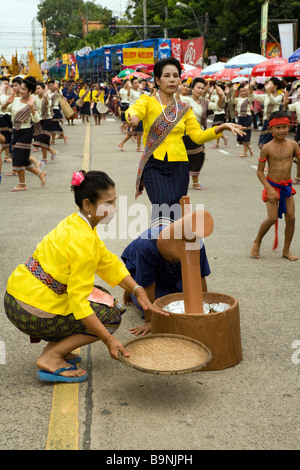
(36, 269)
(159, 130)
(22, 116)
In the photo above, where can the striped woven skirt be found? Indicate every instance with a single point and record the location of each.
(196, 155)
(56, 120)
(43, 140)
(165, 183)
(21, 148)
(265, 135)
(6, 129)
(60, 326)
(247, 123)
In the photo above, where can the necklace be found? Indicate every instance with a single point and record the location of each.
(169, 120)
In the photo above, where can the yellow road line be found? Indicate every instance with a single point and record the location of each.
(86, 149)
(63, 427)
(63, 432)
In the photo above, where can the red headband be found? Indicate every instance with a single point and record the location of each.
(277, 121)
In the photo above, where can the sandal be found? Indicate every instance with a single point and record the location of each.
(215, 146)
(198, 186)
(243, 155)
(139, 149)
(15, 189)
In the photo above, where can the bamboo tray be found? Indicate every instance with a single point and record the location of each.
(166, 354)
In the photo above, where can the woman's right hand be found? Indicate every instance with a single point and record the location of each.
(133, 121)
(114, 346)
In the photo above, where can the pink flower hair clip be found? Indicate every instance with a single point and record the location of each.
(77, 178)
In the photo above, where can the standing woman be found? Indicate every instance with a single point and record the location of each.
(272, 102)
(23, 113)
(124, 103)
(54, 97)
(195, 152)
(243, 109)
(164, 166)
(217, 104)
(134, 92)
(97, 96)
(5, 118)
(52, 296)
(86, 97)
(43, 107)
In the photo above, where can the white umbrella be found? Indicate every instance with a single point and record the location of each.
(186, 67)
(246, 71)
(240, 79)
(249, 59)
(213, 68)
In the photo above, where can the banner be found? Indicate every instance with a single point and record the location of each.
(135, 55)
(176, 48)
(264, 27)
(119, 54)
(286, 39)
(107, 60)
(273, 50)
(164, 48)
(192, 51)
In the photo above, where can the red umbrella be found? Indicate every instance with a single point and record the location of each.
(288, 70)
(226, 75)
(116, 79)
(139, 75)
(191, 73)
(267, 67)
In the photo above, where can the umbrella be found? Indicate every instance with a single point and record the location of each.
(226, 75)
(288, 70)
(246, 71)
(187, 67)
(249, 59)
(240, 79)
(267, 67)
(211, 69)
(140, 75)
(295, 56)
(195, 72)
(125, 72)
(116, 79)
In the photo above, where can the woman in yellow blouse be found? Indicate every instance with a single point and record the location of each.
(52, 296)
(165, 172)
(85, 95)
(97, 95)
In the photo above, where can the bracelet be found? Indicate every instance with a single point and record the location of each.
(135, 288)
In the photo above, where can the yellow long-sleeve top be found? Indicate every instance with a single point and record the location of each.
(88, 94)
(147, 109)
(96, 98)
(72, 253)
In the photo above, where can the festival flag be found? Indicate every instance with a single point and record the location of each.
(76, 72)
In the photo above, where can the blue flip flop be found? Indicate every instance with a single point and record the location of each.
(74, 360)
(55, 377)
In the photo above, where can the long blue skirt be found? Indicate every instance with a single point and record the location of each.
(165, 184)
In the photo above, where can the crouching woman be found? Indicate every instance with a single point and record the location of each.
(52, 296)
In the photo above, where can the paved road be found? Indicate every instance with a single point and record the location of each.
(254, 405)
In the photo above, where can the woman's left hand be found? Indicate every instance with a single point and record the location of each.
(142, 329)
(235, 129)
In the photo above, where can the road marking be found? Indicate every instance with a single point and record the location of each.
(87, 149)
(63, 430)
(224, 151)
(254, 166)
(63, 427)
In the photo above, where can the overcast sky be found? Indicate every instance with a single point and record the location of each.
(15, 24)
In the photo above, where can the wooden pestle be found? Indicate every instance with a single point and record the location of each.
(181, 242)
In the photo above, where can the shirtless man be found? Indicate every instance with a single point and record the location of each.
(278, 191)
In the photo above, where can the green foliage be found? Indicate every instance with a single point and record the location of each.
(233, 25)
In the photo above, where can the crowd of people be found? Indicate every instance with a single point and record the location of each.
(52, 296)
